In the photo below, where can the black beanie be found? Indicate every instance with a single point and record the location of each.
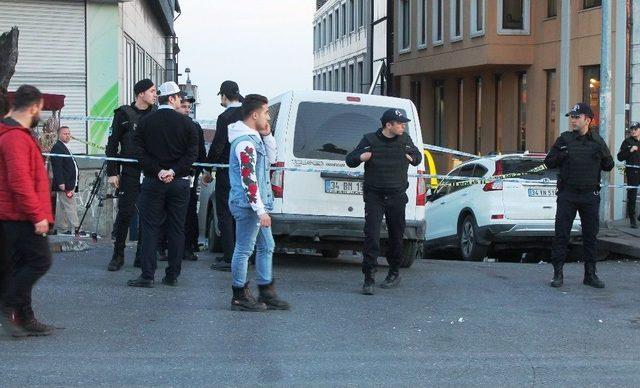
(142, 86)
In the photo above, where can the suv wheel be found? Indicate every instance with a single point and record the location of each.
(215, 242)
(470, 248)
(412, 249)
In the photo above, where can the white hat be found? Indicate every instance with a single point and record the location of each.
(169, 89)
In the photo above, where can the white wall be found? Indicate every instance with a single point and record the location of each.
(140, 23)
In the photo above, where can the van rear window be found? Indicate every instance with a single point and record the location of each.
(330, 131)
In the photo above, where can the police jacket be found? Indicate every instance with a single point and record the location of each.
(386, 171)
(120, 143)
(631, 158)
(580, 160)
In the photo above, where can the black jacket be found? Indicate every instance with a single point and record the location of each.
(580, 160)
(120, 143)
(631, 158)
(386, 171)
(220, 147)
(165, 140)
(64, 169)
(202, 151)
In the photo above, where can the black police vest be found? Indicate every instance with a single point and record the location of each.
(581, 169)
(387, 168)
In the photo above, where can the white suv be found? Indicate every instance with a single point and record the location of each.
(323, 209)
(500, 214)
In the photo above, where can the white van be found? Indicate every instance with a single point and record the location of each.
(319, 205)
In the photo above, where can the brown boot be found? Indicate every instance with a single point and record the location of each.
(269, 297)
(243, 300)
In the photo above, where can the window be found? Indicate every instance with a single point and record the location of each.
(498, 113)
(129, 70)
(404, 26)
(329, 83)
(324, 81)
(591, 4)
(522, 111)
(343, 79)
(456, 20)
(360, 13)
(323, 33)
(148, 71)
(330, 33)
(591, 91)
(513, 17)
(315, 38)
(274, 111)
(139, 64)
(360, 77)
(552, 8)
(466, 171)
(422, 23)
(438, 20)
(416, 95)
(343, 18)
(477, 17)
(329, 131)
(352, 15)
(336, 80)
(438, 113)
(352, 78)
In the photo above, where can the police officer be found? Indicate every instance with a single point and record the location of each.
(127, 180)
(580, 155)
(191, 225)
(386, 154)
(630, 154)
(231, 100)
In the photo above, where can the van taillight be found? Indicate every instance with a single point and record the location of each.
(277, 180)
(421, 190)
(353, 99)
(493, 186)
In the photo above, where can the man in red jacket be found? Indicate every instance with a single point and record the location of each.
(25, 212)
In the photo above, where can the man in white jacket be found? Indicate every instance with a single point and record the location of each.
(253, 150)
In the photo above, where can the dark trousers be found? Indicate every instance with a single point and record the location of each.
(226, 222)
(587, 205)
(5, 268)
(160, 202)
(29, 257)
(127, 199)
(191, 229)
(633, 179)
(392, 207)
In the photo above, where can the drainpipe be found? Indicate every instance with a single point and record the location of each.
(605, 103)
(620, 97)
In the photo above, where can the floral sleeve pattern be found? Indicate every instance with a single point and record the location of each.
(246, 154)
(249, 181)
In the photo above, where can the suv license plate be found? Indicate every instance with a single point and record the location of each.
(343, 187)
(542, 192)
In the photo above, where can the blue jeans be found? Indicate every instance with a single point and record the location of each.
(249, 234)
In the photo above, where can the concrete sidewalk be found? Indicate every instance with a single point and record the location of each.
(621, 239)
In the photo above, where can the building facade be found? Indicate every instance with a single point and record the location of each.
(340, 46)
(93, 52)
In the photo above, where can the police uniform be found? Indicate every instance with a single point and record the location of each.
(632, 173)
(385, 186)
(120, 144)
(580, 160)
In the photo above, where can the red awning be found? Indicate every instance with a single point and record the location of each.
(51, 101)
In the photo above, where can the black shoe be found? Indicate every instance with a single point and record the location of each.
(590, 277)
(243, 300)
(367, 286)
(34, 328)
(189, 256)
(558, 278)
(117, 261)
(221, 265)
(391, 281)
(140, 282)
(269, 297)
(169, 281)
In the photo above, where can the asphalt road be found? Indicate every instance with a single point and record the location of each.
(450, 323)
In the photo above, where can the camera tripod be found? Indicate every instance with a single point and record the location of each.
(97, 190)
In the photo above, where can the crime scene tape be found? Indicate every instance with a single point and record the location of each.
(109, 119)
(90, 144)
(458, 181)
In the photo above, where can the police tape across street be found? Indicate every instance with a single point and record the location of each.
(458, 181)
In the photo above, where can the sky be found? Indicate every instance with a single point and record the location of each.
(264, 45)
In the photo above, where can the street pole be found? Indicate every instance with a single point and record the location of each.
(620, 100)
(605, 102)
(565, 63)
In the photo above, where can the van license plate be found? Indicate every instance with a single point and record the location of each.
(542, 192)
(343, 187)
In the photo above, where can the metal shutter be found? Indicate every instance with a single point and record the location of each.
(52, 53)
